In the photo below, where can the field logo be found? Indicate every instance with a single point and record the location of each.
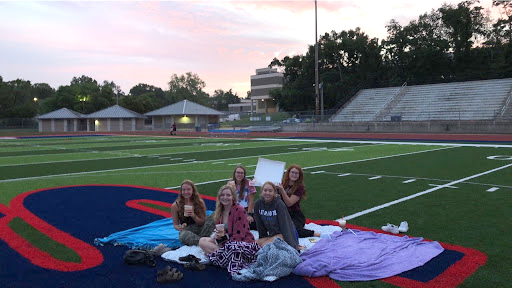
(73, 216)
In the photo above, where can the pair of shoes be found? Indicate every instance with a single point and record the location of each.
(189, 258)
(195, 265)
(390, 228)
(404, 226)
(168, 275)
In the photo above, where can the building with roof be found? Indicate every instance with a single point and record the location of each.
(62, 120)
(244, 107)
(186, 114)
(265, 80)
(115, 118)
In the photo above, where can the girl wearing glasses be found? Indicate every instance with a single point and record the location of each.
(292, 191)
(245, 193)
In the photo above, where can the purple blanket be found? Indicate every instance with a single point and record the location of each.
(365, 256)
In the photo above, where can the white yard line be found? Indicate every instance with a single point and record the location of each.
(412, 142)
(215, 160)
(145, 167)
(422, 193)
(376, 158)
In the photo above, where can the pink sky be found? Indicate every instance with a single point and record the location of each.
(223, 42)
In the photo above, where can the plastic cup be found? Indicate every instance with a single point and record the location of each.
(342, 223)
(220, 229)
(188, 210)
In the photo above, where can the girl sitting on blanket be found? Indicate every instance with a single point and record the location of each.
(292, 191)
(233, 244)
(272, 218)
(245, 193)
(190, 220)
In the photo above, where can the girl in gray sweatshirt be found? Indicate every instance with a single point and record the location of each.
(272, 218)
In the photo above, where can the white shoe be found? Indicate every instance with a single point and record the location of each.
(403, 227)
(390, 228)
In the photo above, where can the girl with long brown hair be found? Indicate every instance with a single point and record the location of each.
(189, 214)
(292, 191)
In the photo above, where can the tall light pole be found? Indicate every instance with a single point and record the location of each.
(316, 65)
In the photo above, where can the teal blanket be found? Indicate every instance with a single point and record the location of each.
(147, 236)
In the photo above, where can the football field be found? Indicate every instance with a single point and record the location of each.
(455, 193)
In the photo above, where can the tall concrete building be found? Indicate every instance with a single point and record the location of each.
(265, 80)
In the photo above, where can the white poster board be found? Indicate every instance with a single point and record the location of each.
(268, 170)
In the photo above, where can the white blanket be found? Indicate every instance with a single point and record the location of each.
(174, 255)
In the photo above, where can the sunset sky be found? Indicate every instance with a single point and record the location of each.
(223, 42)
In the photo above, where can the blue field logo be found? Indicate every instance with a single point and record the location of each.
(72, 217)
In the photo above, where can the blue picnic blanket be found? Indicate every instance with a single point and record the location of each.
(147, 236)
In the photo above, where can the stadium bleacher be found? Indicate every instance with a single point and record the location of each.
(471, 100)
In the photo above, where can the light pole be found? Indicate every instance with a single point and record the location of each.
(316, 65)
(321, 87)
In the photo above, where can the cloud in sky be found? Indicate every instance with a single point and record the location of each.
(223, 42)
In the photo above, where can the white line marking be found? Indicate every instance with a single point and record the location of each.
(187, 160)
(409, 181)
(389, 142)
(293, 148)
(376, 158)
(243, 157)
(316, 172)
(343, 175)
(373, 178)
(217, 163)
(452, 187)
(422, 193)
(207, 182)
(251, 165)
(492, 189)
(233, 164)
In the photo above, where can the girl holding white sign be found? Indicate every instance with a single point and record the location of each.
(292, 191)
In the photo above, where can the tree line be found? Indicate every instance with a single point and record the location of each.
(21, 99)
(452, 43)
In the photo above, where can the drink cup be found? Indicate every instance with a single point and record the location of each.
(188, 210)
(220, 229)
(342, 223)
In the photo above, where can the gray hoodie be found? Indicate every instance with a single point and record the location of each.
(273, 218)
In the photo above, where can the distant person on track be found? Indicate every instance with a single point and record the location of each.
(189, 215)
(292, 191)
(245, 193)
(173, 129)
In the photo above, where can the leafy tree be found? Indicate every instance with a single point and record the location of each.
(141, 103)
(188, 86)
(156, 94)
(221, 99)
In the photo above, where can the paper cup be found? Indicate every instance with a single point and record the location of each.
(220, 229)
(342, 223)
(188, 210)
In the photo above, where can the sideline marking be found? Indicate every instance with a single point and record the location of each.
(316, 172)
(373, 178)
(343, 175)
(409, 181)
(422, 193)
(492, 189)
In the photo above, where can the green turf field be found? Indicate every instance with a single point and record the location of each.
(454, 193)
